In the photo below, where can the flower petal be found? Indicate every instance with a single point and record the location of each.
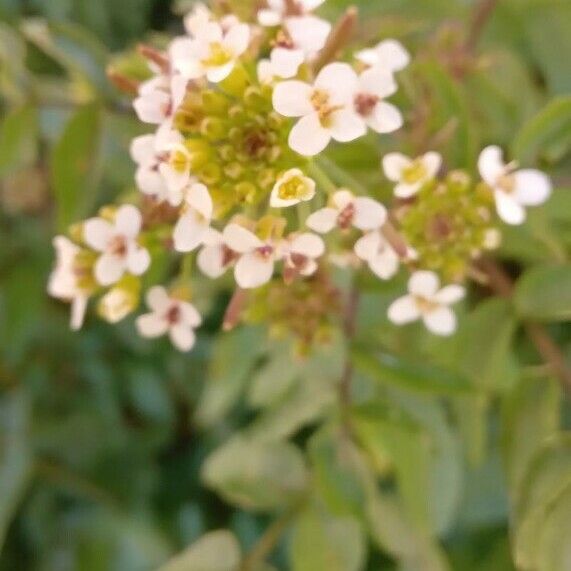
(109, 269)
(128, 221)
(240, 240)
(339, 80)
(441, 321)
(432, 162)
(97, 233)
(158, 299)
(286, 62)
(392, 55)
(189, 232)
(210, 262)
(200, 200)
(323, 220)
(385, 264)
(346, 125)
(385, 118)
(308, 137)
(404, 310)
(308, 245)
(532, 187)
(269, 18)
(190, 314)
(404, 190)
(369, 214)
(138, 261)
(450, 294)
(509, 210)
(151, 325)
(491, 165)
(237, 39)
(377, 81)
(394, 164)
(367, 247)
(78, 309)
(253, 270)
(308, 33)
(293, 98)
(424, 284)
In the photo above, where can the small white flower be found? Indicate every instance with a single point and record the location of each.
(326, 109)
(277, 11)
(513, 189)
(374, 249)
(169, 315)
(348, 211)
(196, 21)
(390, 55)
(63, 282)
(164, 164)
(292, 188)
(193, 225)
(411, 175)
(428, 302)
(117, 242)
(255, 266)
(212, 53)
(215, 257)
(375, 85)
(299, 253)
(159, 98)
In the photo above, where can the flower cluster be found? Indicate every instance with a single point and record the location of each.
(231, 182)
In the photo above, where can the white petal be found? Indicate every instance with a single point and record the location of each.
(346, 125)
(152, 108)
(432, 162)
(367, 246)
(237, 39)
(158, 299)
(128, 221)
(385, 118)
(441, 321)
(368, 56)
(220, 73)
(97, 233)
(151, 325)
(150, 181)
(404, 190)
(178, 87)
(509, 210)
(385, 264)
(369, 214)
(182, 337)
(392, 55)
(109, 269)
(532, 187)
(308, 32)
(310, 5)
(265, 71)
(239, 239)
(269, 18)
(394, 164)
(286, 62)
(323, 221)
(450, 294)
(175, 180)
(343, 198)
(424, 284)
(377, 81)
(190, 314)
(189, 232)
(210, 261)
(339, 80)
(293, 98)
(404, 310)
(491, 165)
(138, 261)
(309, 268)
(308, 137)
(78, 309)
(308, 245)
(143, 149)
(253, 270)
(200, 200)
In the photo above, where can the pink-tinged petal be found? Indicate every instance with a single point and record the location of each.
(308, 245)
(532, 187)
(78, 309)
(322, 221)
(97, 233)
(308, 33)
(385, 118)
(182, 337)
(158, 299)
(368, 56)
(174, 179)
(491, 165)
(109, 269)
(424, 284)
(293, 98)
(153, 108)
(343, 198)
(308, 137)
(190, 315)
(143, 150)
(269, 18)
(265, 71)
(377, 81)
(218, 74)
(210, 262)
(369, 214)
(509, 210)
(340, 81)
(286, 62)
(237, 39)
(138, 261)
(310, 5)
(441, 321)
(367, 247)
(189, 232)
(346, 126)
(309, 269)
(150, 181)
(404, 310)
(253, 270)
(432, 162)
(392, 55)
(450, 294)
(151, 325)
(394, 164)
(385, 264)
(240, 240)
(128, 221)
(178, 87)
(200, 200)
(404, 190)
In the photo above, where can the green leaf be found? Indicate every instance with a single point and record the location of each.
(256, 475)
(19, 139)
(321, 541)
(74, 164)
(215, 551)
(547, 134)
(544, 294)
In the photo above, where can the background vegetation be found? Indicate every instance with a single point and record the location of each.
(117, 453)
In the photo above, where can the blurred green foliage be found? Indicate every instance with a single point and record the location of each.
(117, 453)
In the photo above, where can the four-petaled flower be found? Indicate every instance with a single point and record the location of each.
(292, 188)
(159, 98)
(390, 55)
(215, 257)
(348, 211)
(374, 249)
(427, 301)
(193, 225)
(411, 175)
(326, 109)
(169, 315)
(277, 10)
(117, 243)
(513, 189)
(299, 253)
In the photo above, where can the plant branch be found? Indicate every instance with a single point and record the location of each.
(480, 18)
(338, 38)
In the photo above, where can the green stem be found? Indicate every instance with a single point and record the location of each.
(341, 176)
(322, 178)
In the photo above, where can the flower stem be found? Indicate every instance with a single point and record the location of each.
(342, 176)
(481, 15)
(322, 178)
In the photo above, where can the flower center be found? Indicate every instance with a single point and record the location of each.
(255, 143)
(414, 173)
(506, 182)
(365, 103)
(179, 161)
(218, 56)
(345, 218)
(173, 315)
(425, 305)
(321, 103)
(293, 189)
(265, 251)
(284, 40)
(229, 256)
(118, 246)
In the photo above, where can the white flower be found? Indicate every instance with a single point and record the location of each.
(192, 226)
(63, 282)
(375, 85)
(411, 175)
(117, 242)
(159, 98)
(347, 211)
(215, 257)
(374, 249)
(164, 164)
(255, 266)
(292, 188)
(513, 189)
(212, 53)
(169, 315)
(277, 11)
(326, 109)
(196, 21)
(428, 302)
(299, 253)
(390, 55)
(117, 303)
